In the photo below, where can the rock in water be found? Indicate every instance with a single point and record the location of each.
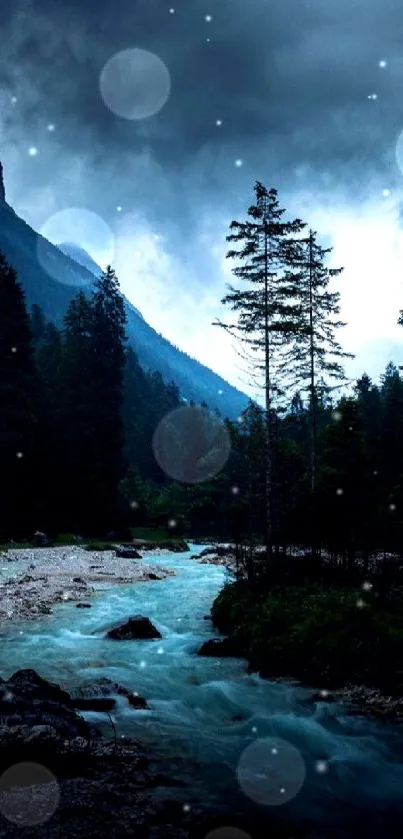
(226, 647)
(99, 696)
(137, 627)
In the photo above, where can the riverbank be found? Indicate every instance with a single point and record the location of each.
(341, 641)
(78, 783)
(44, 577)
(210, 712)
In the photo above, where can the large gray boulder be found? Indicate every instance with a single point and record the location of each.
(137, 627)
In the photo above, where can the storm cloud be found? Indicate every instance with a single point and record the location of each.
(306, 96)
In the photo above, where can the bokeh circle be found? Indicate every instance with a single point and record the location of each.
(29, 794)
(135, 84)
(191, 445)
(82, 228)
(271, 771)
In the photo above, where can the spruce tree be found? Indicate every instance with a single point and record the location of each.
(76, 411)
(311, 359)
(108, 355)
(267, 312)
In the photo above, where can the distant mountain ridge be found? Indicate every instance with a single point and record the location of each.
(75, 270)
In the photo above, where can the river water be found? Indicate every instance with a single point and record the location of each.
(259, 746)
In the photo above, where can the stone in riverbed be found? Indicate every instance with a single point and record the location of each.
(137, 627)
(225, 647)
(99, 696)
(83, 606)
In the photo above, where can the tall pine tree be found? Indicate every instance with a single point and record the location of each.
(267, 312)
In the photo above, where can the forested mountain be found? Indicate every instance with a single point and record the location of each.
(71, 269)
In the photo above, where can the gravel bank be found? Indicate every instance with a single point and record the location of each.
(33, 580)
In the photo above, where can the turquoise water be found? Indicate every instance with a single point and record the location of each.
(349, 772)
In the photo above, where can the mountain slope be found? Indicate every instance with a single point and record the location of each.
(21, 245)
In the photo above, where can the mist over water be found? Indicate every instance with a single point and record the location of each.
(230, 724)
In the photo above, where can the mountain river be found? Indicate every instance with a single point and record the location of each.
(261, 747)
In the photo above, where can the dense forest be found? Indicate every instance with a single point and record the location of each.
(79, 414)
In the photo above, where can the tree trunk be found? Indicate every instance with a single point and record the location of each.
(268, 499)
(313, 399)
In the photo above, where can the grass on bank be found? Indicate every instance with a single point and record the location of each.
(324, 636)
(156, 536)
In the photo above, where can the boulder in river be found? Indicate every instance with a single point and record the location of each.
(137, 627)
(83, 606)
(99, 696)
(226, 647)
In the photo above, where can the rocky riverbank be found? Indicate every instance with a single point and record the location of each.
(43, 577)
(348, 646)
(61, 778)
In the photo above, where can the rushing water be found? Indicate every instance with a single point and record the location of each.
(347, 772)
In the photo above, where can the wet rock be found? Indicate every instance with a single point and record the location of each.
(27, 699)
(94, 703)
(79, 580)
(127, 552)
(226, 647)
(137, 627)
(99, 696)
(83, 606)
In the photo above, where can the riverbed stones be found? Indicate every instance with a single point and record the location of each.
(138, 627)
(63, 574)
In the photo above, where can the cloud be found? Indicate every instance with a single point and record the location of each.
(289, 82)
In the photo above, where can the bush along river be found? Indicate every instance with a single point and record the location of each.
(264, 751)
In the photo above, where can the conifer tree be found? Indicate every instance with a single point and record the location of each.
(312, 357)
(108, 355)
(267, 312)
(76, 413)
